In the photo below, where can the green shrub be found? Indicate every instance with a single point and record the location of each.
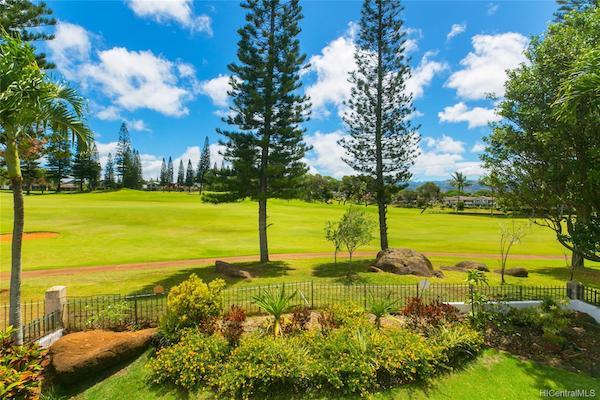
(340, 315)
(21, 368)
(196, 358)
(266, 365)
(192, 303)
(456, 343)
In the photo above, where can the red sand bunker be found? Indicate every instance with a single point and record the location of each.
(7, 237)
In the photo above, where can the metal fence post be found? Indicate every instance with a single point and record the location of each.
(135, 308)
(365, 294)
(312, 294)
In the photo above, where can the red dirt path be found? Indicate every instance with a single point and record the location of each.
(7, 237)
(205, 261)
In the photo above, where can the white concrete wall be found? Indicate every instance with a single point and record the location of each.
(50, 338)
(578, 305)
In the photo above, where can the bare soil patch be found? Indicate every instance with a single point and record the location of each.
(7, 237)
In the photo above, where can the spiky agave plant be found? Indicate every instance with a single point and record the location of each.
(274, 303)
(380, 307)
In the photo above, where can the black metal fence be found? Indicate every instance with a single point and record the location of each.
(108, 311)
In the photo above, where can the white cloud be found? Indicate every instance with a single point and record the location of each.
(138, 79)
(216, 89)
(326, 155)
(492, 8)
(179, 11)
(332, 67)
(71, 46)
(110, 113)
(137, 125)
(445, 144)
(423, 74)
(478, 147)
(484, 69)
(455, 30)
(476, 116)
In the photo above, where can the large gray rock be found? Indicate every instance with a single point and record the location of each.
(231, 271)
(465, 265)
(404, 262)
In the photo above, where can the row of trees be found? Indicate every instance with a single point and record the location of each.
(186, 178)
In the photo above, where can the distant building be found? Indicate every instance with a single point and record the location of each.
(470, 201)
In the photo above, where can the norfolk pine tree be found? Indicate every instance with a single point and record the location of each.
(189, 176)
(180, 175)
(382, 144)
(59, 159)
(203, 164)
(266, 150)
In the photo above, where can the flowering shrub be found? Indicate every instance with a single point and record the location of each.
(21, 368)
(265, 365)
(337, 316)
(194, 359)
(193, 303)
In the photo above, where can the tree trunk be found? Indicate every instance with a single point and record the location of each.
(383, 239)
(577, 259)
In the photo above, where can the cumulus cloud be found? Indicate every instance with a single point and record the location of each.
(423, 74)
(216, 89)
(455, 30)
(110, 113)
(445, 144)
(71, 46)
(476, 116)
(484, 69)
(130, 79)
(326, 155)
(179, 11)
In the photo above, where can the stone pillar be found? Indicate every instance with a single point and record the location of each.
(55, 300)
(575, 290)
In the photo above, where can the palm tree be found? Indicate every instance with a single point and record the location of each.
(30, 106)
(459, 181)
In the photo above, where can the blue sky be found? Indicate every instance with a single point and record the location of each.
(162, 67)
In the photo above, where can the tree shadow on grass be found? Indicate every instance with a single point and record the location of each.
(589, 275)
(271, 269)
(342, 272)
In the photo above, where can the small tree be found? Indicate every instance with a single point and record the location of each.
(459, 181)
(509, 236)
(332, 234)
(355, 230)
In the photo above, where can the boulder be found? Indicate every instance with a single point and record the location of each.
(438, 274)
(83, 354)
(465, 265)
(404, 262)
(518, 272)
(231, 270)
(373, 268)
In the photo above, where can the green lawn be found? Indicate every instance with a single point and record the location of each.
(131, 226)
(493, 376)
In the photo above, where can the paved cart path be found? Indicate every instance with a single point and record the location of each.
(210, 260)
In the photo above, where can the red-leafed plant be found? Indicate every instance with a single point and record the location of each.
(421, 315)
(233, 324)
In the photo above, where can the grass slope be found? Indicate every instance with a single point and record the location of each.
(493, 376)
(131, 226)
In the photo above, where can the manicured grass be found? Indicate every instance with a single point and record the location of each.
(130, 226)
(542, 273)
(492, 376)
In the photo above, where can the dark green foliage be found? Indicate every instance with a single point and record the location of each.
(170, 172)
(567, 6)
(164, 179)
(26, 18)
(319, 188)
(86, 166)
(189, 175)
(382, 142)
(428, 194)
(266, 150)
(180, 174)
(109, 173)
(539, 158)
(59, 159)
(203, 165)
(128, 162)
(356, 188)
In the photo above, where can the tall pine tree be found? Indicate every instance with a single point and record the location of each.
(163, 174)
(189, 176)
(266, 151)
(80, 164)
(170, 172)
(59, 159)
(382, 143)
(109, 172)
(94, 169)
(123, 154)
(29, 20)
(180, 175)
(203, 164)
